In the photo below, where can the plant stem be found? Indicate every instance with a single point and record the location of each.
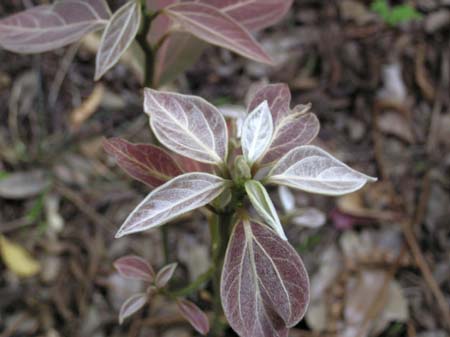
(220, 226)
(189, 289)
(141, 38)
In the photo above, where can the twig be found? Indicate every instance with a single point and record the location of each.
(85, 208)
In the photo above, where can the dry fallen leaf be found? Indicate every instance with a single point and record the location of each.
(23, 185)
(79, 115)
(17, 259)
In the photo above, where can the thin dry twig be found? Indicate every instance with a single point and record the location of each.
(85, 208)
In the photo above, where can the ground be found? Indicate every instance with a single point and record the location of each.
(379, 266)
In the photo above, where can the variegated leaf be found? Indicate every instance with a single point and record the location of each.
(187, 125)
(278, 97)
(144, 162)
(178, 196)
(253, 14)
(131, 306)
(134, 267)
(49, 27)
(262, 203)
(257, 133)
(292, 128)
(292, 131)
(165, 275)
(196, 317)
(214, 26)
(118, 36)
(311, 169)
(265, 287)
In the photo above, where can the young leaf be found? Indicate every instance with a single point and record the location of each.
(278, 97)
(265, 287)
(49, 27)
(147, 163)
(311, 169)
(260, 199)
(118, 36)
(253, 14)
(131, 306)
(290, 132)
(165, 275)
(178, 196)
(291, 128)
(196, 317)
(257, 133)
(213, 26)
(187, 125)
(134, 267)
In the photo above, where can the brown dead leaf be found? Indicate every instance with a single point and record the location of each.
(392, 123)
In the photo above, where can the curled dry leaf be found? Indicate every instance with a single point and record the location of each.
(257, 133)
(260, 200)
(216, 27)
(118, 36)
(196, 317)
(265, 287)
(165, 275)
(48, 27)
(292, 128)
(178, 196)
(147, 163)
(131, 306)
(311, 169)
(134, 267)
(187, 125)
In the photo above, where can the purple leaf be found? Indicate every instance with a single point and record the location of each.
(134, 267)
(292, 128)
(213, 26)
(253, 14)
(165, 275)
(49, 27)
(265, 287)
(131, 306)
(147, 163)
(176, 197)
(187, 125)
(118, 36)
(196, 317)
(178, 52)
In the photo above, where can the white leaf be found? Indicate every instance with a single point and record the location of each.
(48, 27)
(309, 217)
(178, 196)
(165, 275)
(257, 132)
(287, 198)
(311, 169)
(131, 306)
(187, 125)
(118, 36)
(260, 199)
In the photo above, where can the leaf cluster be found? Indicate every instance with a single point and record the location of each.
(264, 287)
(170, 33)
